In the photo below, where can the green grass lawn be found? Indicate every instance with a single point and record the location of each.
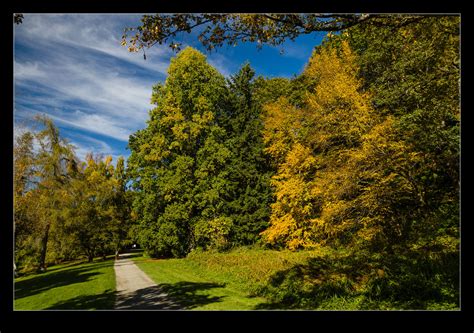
(323, 279)
(257, 279)
(219, 281)
(76, 286)
(195, 289)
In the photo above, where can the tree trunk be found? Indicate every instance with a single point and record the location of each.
(44, 247)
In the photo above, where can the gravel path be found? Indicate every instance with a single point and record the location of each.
(136, 291)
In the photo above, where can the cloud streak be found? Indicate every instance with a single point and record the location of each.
(72, 68)
(95, 123)
(105, 103)
(95, 32)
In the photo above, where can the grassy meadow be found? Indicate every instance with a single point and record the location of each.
(324, 279)
(72, 286)
(257, 279)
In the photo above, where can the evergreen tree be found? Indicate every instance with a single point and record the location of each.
(248, 168)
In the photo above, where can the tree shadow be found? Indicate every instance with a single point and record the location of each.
(406, 281)
(52, 279)
(177, 296)
(103, 301)
(303, 286)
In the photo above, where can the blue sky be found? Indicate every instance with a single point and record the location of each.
(72, 68)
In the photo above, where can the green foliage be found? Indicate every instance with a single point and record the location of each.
(381, 129)
(213, 234)
(361, 280)
(413, 74)
(97, 213)
(23, 177)
(199, 166)
(177, 162)
(65, 208)
(268, 90)
(376, 178)
(40, 179)
(248, 171)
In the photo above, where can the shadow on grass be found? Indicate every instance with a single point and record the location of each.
(362, 281)
(103, 301)
(53, 279)
(177, 296)
(186, 293)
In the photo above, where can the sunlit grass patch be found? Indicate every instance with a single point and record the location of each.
(79, 286)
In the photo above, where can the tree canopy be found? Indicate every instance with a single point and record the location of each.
(202, 181)
(64, 207)
(216, 30)
(331, 157)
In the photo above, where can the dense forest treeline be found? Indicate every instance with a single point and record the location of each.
(360, 151)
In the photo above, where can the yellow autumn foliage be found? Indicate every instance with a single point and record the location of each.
(282, 126)
(340, 112)
(107, 160)
(290, 218)
(317, 184)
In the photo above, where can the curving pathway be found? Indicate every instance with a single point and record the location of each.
(136, 291)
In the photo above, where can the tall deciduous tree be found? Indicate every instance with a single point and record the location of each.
(378, 152)
(310, 144)
(413, 74)
(177, 162)
(55, 162)
(23, 157)
(96, 211)
(65, 208)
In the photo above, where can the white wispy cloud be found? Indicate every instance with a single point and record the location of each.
(27, 70)
(100, 32)
(113, 101)
(89, 145)
(113, 105)
(95, 123)
(73, 69)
